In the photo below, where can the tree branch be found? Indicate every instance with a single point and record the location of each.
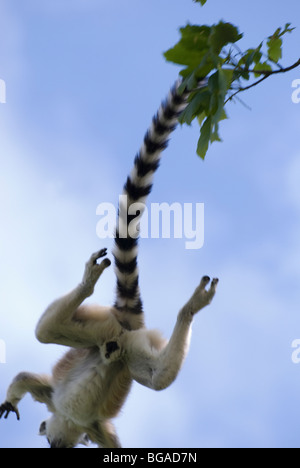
(245, 89)
(274, 72)
(266, 74)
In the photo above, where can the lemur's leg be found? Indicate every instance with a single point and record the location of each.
(39, 386)
(158, 369)
(104, 435)
(64, 322)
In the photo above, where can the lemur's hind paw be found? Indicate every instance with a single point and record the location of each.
(202, 297)
(8, 408)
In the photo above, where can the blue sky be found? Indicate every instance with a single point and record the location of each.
(84, 78)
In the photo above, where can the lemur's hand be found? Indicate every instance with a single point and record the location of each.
(201, 296)
(93, 270)
(8, 408)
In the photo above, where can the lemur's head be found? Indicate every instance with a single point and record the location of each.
(62, 434)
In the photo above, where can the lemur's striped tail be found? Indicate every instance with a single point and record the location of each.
(136, 190)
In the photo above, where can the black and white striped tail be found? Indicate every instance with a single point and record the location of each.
(137, 188)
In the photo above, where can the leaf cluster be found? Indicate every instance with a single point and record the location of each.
(212, 53)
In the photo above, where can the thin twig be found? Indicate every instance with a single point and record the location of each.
(274, 72)
(266, 74)
(245, 89)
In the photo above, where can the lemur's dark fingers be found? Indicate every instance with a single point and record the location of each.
(101, 253)
(212, 290)
(3, 409)
(204, 282)
(8, 408)
(106, 262)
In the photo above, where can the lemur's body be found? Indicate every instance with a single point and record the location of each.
(109, 345)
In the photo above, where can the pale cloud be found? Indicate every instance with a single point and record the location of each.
(47, 233)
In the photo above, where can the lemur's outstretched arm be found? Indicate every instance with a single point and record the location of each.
(157, 369)
(66, 323)
(39, 386)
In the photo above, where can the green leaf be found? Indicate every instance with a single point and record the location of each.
(201, 117)
(287, 29)
(274, 49)
(191, 48)
(184, 55)
(263, 67)
(200, 46)
(224, 116)
(209, 62)
(218, 85)
(200, 1)
(205, 135)
(275, 43)
(202, 52)
(215, 134)
(226, 79)
(223, 34)
(251, 56)
(205, 66)
(189, 83)
(198, 104)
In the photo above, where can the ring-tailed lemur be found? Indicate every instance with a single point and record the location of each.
(110, 347)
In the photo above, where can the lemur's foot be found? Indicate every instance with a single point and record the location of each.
(202, 297)
(8, 408)
(93, 270)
